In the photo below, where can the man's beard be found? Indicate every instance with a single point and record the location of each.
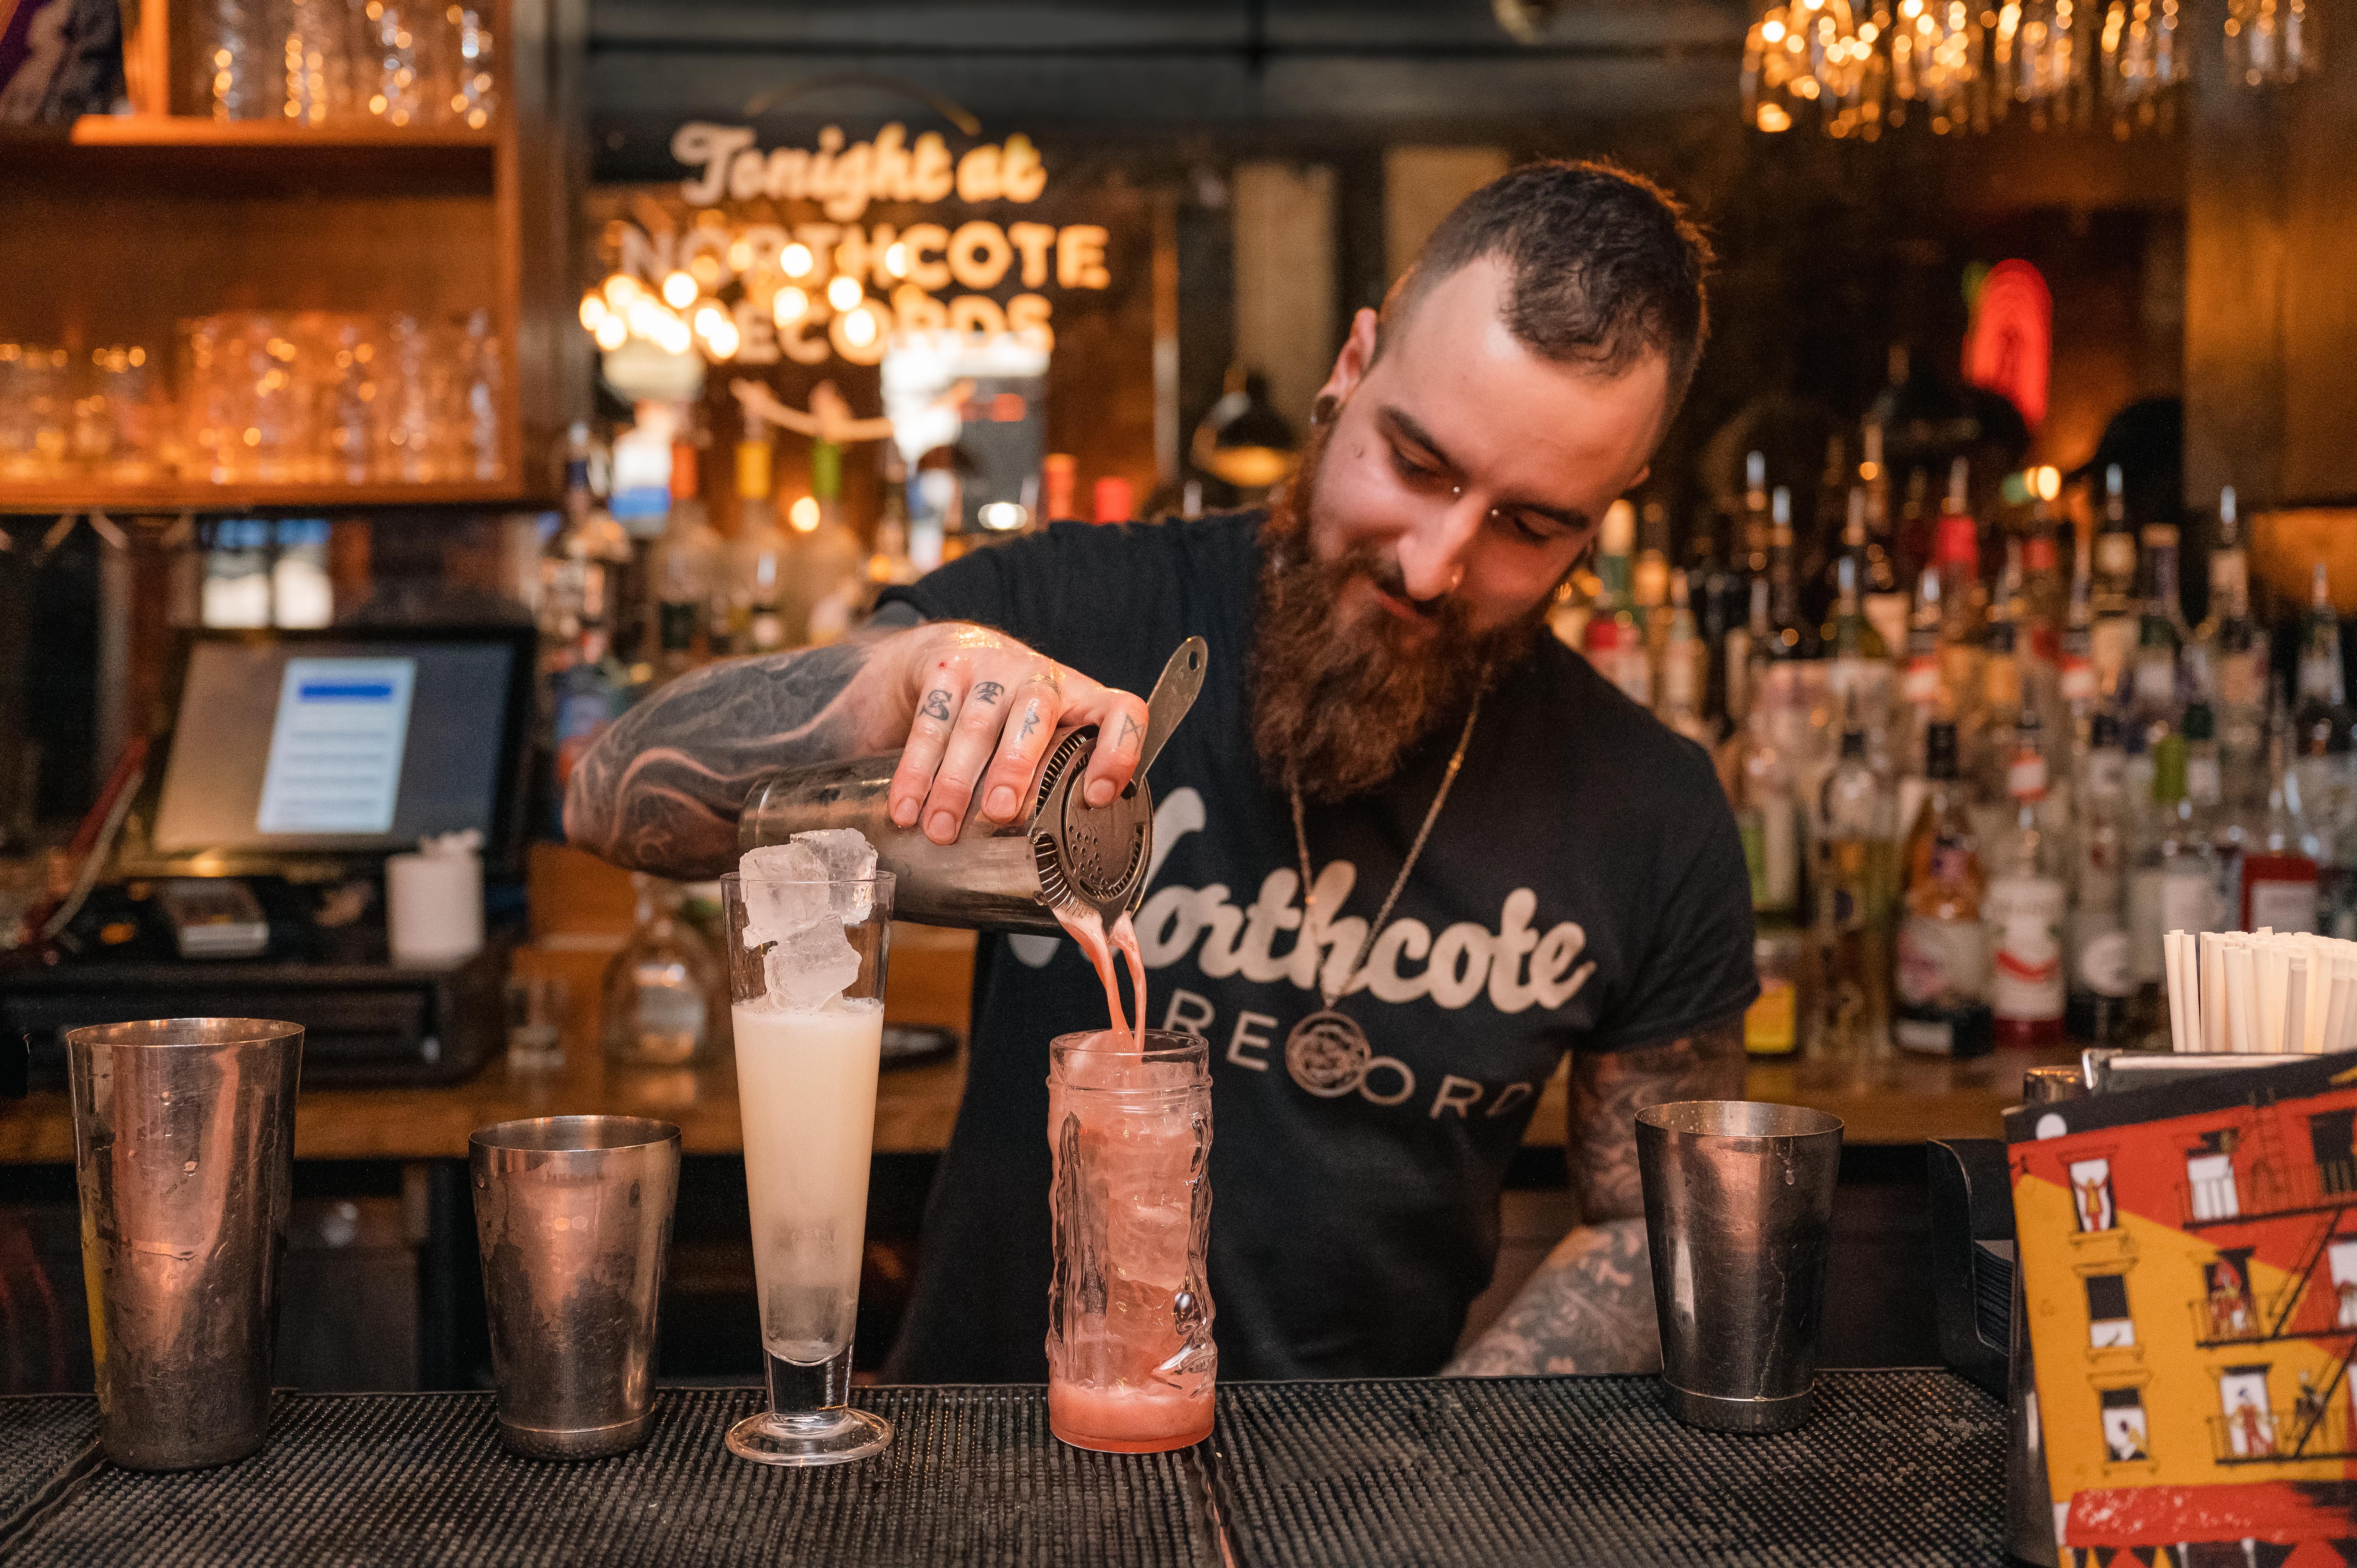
(1337, 702)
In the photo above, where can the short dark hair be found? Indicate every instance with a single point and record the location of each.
(1604, 267)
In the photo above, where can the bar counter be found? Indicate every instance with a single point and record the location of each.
(1899, 1101)
(1896, 1466)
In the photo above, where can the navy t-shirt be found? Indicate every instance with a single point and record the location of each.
(1584, 888)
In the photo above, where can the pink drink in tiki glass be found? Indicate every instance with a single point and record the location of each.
(1130, 1357)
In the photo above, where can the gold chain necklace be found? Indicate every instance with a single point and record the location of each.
(1328, 1053)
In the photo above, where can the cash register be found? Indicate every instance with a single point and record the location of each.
(248, 878)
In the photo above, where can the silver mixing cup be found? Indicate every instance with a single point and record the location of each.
(572, 1221)
(184, 1149)
(1738, 1217)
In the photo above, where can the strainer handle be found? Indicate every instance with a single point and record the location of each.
(1172, 695)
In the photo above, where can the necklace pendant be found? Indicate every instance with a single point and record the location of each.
(1328, 1054)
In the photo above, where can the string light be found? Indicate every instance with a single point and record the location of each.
(593, 310)
(790, 306)
(843, 292)
(796, 261)
(678, 291)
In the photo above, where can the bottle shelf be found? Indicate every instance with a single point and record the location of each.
(194, 495)
(193, 131)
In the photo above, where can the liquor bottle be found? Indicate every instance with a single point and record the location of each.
(2155, 698)
(1883, 588)
(664, 991)
(2205, 793)
(1768, 815)
(890, 565)
(2320, 725)
(1856, 881)
(2001, 688)
(1614, 639)
(1940, 981)
(1827, 525)
(1710, 584)
(1963, 612)
(1746, 652)
(2101, 981)
(1683, 658)
(831, 587)
(1755, 514)
(2228, 660)
(2045, 590)
(684, 567)
(2025, 903)
(762, 559)
(1922, 687)
(583, 570)
(1792, 634)
(2279, 882)
(1912, 536)
(2175, 887)
(2118, 616)
(1649, 575)
(1858, 667)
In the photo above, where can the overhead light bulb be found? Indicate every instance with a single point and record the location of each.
(790, 306)
(613, 332)
(619, 289)
(678, 291)
(593, 310)
(710, 318)
(723, 340)
(859, 328)
(796, 261)
(843, 292)
(804, 515)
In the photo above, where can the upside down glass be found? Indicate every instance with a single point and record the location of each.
(1130, 1359)
(806, 1090)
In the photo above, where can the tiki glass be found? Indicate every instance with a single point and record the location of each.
(1130, 1357)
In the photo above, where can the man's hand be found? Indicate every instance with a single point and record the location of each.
(1590, 1308)
(983, 711)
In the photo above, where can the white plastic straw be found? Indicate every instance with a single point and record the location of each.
(2239, 987)
(2213, 991)
(2173, 959)
(2295, 1018)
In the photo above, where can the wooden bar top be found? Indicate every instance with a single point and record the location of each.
(1894, 1102)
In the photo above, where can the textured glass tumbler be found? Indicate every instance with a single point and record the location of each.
(806, 1065)
(1130, 1359)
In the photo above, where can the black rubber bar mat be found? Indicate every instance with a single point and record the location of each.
(973, 1477)
(40, 1435)
(1896, 1468)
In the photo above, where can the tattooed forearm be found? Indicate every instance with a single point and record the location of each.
(661, 788)
(1608, 1089)
(1588, 1309)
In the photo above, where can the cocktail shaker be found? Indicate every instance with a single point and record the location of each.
(1008, 877)
(184, 1148)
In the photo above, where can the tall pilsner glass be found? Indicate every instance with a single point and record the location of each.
(806, 1087)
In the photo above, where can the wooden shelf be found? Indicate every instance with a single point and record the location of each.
(190, 131)
(192, 495)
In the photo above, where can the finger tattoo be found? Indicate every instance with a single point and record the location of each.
(1030, 722)
(988, 692)
(936, 705)
(1129, 730)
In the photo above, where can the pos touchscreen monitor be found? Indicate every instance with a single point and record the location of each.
(340, 744)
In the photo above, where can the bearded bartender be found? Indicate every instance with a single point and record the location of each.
(1410, 850)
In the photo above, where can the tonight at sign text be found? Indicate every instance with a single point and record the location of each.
(843, 180)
